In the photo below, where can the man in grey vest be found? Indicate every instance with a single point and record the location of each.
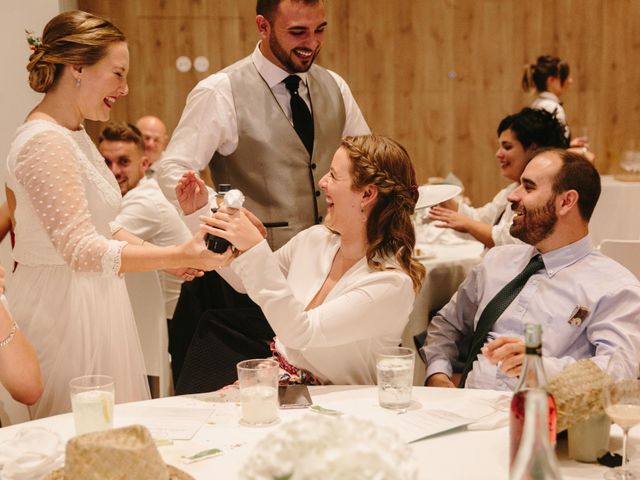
(248, 123)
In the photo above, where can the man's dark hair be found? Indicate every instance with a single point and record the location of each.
(535, 127)
(577, 173)
(266, 8)
(122, 132)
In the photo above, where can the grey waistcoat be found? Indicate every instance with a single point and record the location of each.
(271, 165)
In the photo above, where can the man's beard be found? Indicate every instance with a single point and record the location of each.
(285, 58)
(535, 225)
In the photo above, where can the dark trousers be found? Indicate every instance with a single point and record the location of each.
(203, 303)
(223, 338)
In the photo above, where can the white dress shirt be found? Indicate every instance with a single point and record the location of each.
(575, 277)
(551, 103)
(337, 340)
(147, 213)
(209, 124)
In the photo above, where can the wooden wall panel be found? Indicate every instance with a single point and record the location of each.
(437, 75)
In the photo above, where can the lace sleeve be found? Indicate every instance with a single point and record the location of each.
(48, 172)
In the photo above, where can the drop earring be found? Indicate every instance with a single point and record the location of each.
(78, 82)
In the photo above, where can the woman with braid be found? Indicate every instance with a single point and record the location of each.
(337, 292)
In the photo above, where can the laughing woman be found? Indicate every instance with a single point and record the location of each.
(67, 293)
(337, 292)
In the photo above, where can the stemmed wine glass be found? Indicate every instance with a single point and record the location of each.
(621, 397)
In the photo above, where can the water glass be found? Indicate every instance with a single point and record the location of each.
(92, 403)
(394, 368)
(258, 381)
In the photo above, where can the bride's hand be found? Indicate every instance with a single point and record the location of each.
(186, 273)
(201, 258)
(234, 226)
(191, 192)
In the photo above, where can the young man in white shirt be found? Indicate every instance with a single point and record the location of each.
(241, 122)
(145, 211)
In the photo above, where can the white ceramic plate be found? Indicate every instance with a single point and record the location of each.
(434, 194)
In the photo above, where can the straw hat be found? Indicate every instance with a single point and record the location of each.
(116, 454)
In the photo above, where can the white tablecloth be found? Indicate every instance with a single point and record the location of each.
(460, 454)
(615, 215)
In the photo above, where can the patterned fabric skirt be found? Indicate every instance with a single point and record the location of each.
(290, 374)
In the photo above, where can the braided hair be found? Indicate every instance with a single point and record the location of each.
(382, 162)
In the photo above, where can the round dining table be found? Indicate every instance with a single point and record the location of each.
(185, 425)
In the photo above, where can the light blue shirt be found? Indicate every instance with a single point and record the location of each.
(576, 278)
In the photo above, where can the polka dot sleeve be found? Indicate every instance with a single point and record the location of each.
(48, 172)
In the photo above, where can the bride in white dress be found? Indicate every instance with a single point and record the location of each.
(67, 293)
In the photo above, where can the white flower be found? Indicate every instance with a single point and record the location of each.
(340, 448)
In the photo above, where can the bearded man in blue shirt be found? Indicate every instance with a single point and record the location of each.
(587, 304)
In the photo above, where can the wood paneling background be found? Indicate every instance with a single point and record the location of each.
(437, 75)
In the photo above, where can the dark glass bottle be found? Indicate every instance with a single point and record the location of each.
(532, 377)
(214, 243)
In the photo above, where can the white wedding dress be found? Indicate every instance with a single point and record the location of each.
(66, 294)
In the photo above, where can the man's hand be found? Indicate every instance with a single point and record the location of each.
(191, 192)
(507, 353)
(440, 380)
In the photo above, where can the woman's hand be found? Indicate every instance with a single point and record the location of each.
(187, 273)
(199, 257)
(585, 152)
(449, 219)
(191, 192)
(234, 226)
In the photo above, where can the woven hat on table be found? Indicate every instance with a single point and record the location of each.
(577, 391)
(116, 454)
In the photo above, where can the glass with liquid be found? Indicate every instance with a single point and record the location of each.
(621, 398)
(92, 398)
(258, 381)
(394, 369)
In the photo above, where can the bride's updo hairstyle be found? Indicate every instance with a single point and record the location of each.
(71, 38)
(384, 163)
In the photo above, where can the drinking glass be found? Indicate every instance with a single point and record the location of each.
(581, 135)
(258, 379)
(394, 368)
(92, 403)
(622, 404)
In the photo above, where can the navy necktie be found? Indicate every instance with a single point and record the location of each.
(495, 308)
(302, 119)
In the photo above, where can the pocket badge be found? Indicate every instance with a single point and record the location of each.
(578, 316)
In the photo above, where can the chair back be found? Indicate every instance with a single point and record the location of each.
(625, 252)
(147, 301)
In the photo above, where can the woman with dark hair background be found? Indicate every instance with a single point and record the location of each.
(519, 135)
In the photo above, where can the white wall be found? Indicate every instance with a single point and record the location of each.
(16, 100)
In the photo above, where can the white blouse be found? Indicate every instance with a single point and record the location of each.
(497, 213)
(337, 340)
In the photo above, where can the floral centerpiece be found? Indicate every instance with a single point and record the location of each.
(321, 447)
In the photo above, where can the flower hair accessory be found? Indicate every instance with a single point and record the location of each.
(413, 188)
(33, 41)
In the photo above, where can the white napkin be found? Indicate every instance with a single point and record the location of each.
(496, 419)
(430, 234)
(31, 455)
